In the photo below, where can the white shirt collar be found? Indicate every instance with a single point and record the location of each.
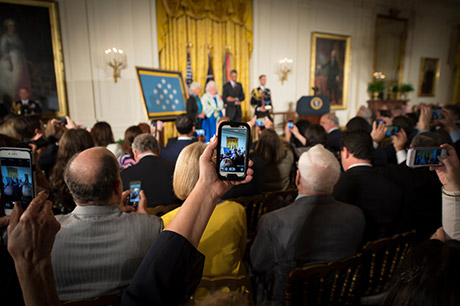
(332, 130)
(233, 83)
(184, 138)
(358, 165)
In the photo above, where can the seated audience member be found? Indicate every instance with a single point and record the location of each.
(29, 127)
(169, 273)
(278, 158)
(7, 128)
(429, 275)
(421, 189)
(360, 185)
(99, 247)
(127, 160)
(185, 128)
(358, 124)
(364, 113)
(154, 173)
(103, 137)
(314, 134)
(330, 123)
(301, 126)
(224, 240)
(315, 228)
(72, 142)
(54, 130)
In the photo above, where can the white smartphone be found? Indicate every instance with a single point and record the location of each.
(18, 177)
(234, 141)
(425, 156)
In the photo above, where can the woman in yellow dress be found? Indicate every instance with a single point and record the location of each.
(224, 240)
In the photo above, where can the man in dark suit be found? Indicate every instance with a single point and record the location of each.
(184, 125)
(330, 123)
(154, 173)
(379, 199)
(315, 228)
(233, 96)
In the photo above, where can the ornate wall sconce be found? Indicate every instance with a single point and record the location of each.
(115, 58)
(285, 67)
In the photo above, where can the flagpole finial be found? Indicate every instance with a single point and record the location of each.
(189, 45)
(228, 48)
(210, 48)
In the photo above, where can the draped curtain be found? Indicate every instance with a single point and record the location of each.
(205, 26)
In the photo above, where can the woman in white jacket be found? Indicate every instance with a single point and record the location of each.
(212, 106)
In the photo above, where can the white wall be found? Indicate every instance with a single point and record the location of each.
(88, 28)
(282, 28)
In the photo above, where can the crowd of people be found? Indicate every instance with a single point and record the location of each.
(80, 238)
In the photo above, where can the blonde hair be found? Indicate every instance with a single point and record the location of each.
(7, 128)
(187, 169)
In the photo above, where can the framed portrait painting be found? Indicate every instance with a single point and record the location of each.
(429, 75)
(330, 67)
(31, 55)
(163, 93)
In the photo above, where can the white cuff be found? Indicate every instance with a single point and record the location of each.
(401, 156)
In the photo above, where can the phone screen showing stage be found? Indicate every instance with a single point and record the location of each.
(233, 151)
(17, 185)
(427, 157)
(135, 193)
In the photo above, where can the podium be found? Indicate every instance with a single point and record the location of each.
(311, 108)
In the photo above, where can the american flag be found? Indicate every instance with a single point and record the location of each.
(189, 75)
(210, 76)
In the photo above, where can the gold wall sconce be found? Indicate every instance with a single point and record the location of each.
(115, 58)
(285, 66)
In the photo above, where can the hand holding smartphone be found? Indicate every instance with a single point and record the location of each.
(425, 156)
(18, 177)
(234, 140)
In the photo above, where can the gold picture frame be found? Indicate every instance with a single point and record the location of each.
(429, 76)
(330, 75)
(35, 25)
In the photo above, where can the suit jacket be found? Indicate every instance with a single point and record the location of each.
(155, 175)
(311, 230)
(378, 198)
(233, 110)
(334, 140)
(174, 147)
(192, 108)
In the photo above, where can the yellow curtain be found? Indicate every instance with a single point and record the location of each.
(209, 26)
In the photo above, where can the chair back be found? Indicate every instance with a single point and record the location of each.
(254, 210)
(211, 285)
(334, 283)
(381, 259)
(107, 300)
(160, 210)
(279, 199)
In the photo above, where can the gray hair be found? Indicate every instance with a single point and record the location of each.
(319, 170)
(332, 117)
(210, 83)
(145, 143)
(98, 189)
(194, 86)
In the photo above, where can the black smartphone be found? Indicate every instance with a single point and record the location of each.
(18, 182)
(63, 120)
(135, 193)
(385, 113)
(392, 130)
(234, 141)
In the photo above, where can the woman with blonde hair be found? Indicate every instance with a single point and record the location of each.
(224, 240)
(212, 107)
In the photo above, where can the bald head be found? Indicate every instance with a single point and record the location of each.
(93, 177)
(318, 172)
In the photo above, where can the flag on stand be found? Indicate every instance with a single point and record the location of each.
(189, 75)
(210, 76)
(227, 67)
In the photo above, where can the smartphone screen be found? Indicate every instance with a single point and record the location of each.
(17, 177)
(392, 130)
(200, 132)
(260, 121)
(435, 113)
(424, 157)
(135, 193)
(233, 144)
(290, 124)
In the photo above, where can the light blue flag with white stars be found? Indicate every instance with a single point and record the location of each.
(163, 93)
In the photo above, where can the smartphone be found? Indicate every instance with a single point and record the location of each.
(260, 121)
(392, 130)
(153, 123)
(385, 113)
(18, 181)
(380, 120)
(200, 132)
(435, 113)
(425, 156)
(290, 124)
(63, 120)
(135, 193)
(233, 143)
